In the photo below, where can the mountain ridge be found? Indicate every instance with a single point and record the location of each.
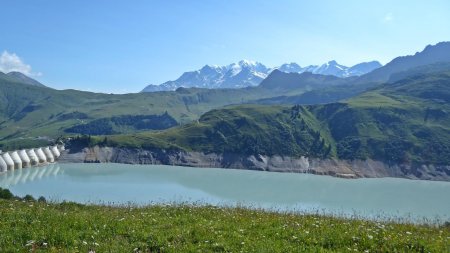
(247, 73)
(15, 76)
(431, 54)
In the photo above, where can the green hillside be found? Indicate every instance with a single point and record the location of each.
(28, 112)
(406, 121)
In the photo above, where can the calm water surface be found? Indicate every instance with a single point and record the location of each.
(145, 184)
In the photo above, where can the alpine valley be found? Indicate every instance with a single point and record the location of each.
(366, 120)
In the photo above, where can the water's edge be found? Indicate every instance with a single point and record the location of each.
(332, 167)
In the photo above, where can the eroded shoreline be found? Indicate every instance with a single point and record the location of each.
(332, 167)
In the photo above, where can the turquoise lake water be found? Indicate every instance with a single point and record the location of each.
(377, 198)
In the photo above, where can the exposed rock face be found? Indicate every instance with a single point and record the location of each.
(332, 167)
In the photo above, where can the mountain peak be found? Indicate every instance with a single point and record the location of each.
(431, 54)
(209, 68)
(248, 63)
(333, 62)
(24, 78)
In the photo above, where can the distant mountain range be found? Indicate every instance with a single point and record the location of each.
(328, 89)
(250, 73)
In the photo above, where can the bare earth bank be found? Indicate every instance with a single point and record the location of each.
(332, 167)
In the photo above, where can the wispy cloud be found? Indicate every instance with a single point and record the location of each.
(11, 62)
(389, 17)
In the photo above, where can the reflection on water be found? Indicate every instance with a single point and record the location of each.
(26, 175)
(143, 184)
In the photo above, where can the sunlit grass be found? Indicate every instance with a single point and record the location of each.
(69, 227)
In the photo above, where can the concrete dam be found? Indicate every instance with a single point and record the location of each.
(25, 158)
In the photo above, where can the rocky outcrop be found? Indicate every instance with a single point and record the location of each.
(332, 167)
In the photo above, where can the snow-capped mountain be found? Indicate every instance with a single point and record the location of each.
(332, 68)
(247, 73)
(237, 75)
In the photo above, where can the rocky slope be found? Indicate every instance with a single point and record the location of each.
(332, 167)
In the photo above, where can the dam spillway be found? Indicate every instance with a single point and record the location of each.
(18, 159)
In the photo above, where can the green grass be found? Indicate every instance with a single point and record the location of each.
(68, 227)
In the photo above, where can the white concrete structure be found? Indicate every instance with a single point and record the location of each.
(16, 159)
(25, 159)
(49, 155)
(33, 157)
(3, 166)
(19, 159)
(9, 161)
(41, 156)
(55, 151)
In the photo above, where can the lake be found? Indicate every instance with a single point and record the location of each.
(378, 198)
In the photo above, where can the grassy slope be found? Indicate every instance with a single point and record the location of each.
(71, 227)
(245, 129)
(28, 111)
(407, 121)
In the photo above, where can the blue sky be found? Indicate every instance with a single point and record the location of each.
(121, 46)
